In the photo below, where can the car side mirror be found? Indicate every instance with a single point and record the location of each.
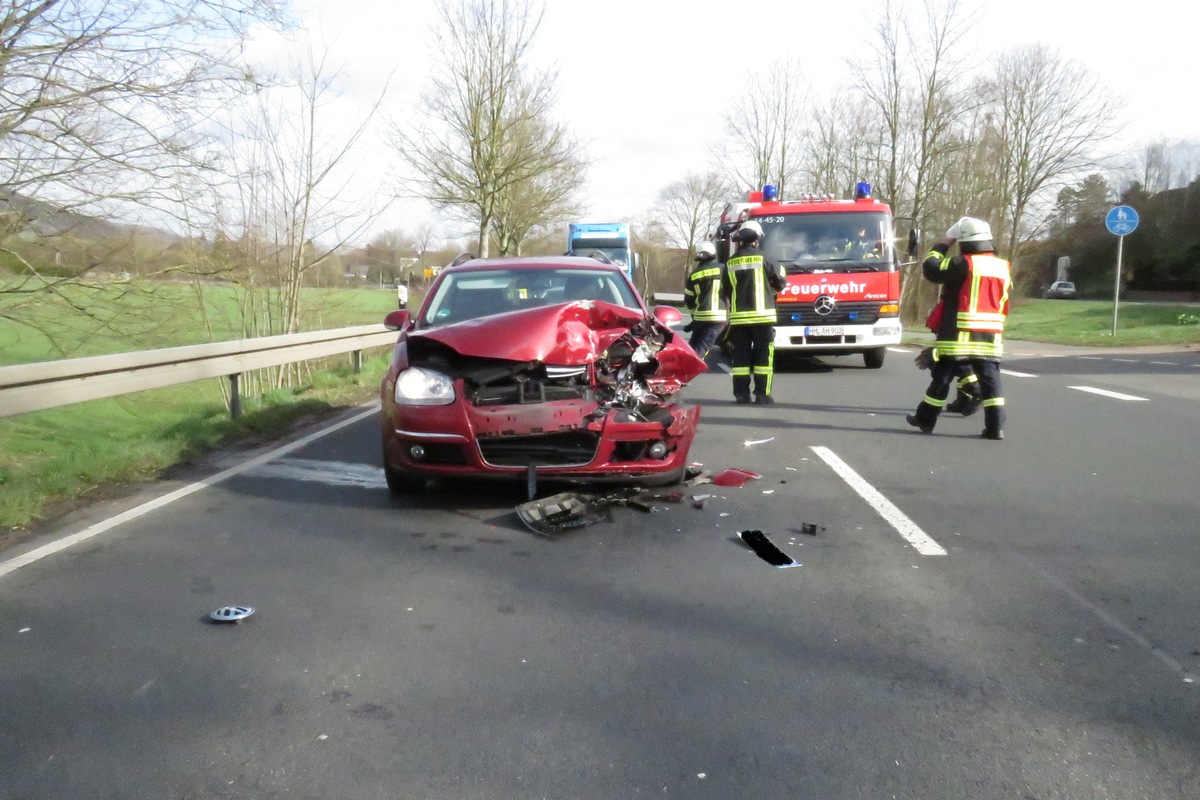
(668, 315)
(397, 320)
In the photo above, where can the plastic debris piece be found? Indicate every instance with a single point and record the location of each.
(766, 550)
(810, 528)
(768, 491)
(557, 513)
(752, 442)
(735, 477)
(694, 476)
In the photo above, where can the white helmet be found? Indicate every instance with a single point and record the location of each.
(750, 231)
(970, 229)
(705, 251)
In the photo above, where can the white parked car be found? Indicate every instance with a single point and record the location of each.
(1060, 290)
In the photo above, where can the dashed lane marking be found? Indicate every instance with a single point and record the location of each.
(1016, 374)
(911, 532)
(1107, 393)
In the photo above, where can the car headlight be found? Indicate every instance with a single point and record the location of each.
(423, 387)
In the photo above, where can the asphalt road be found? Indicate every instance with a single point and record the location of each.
(1045, 647)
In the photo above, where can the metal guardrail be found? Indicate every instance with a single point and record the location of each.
(51, 384)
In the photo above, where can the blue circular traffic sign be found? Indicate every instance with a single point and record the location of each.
(1121, 221)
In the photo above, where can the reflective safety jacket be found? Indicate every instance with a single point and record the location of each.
(702, 293)
(751, 283)
(975, 302)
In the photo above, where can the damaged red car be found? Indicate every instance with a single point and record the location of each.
(536, 368)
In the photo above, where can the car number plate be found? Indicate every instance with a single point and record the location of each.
(824, 330)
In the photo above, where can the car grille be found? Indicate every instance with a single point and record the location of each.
(842, 314)
(569, 448)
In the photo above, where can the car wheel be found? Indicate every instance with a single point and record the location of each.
(873, 358)
(400, 482)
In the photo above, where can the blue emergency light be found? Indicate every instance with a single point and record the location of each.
(862, 190)
(769, 193)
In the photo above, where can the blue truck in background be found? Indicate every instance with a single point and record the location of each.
(611, 239)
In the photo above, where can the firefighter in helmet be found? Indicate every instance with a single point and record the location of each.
(976, 285)
(702, 296)
(749, 284)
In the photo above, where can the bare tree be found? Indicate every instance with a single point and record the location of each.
(484, 126)
(1048, 118)
(764, 128)
(692, 206)
(291, 201)
(107, 94)
(545, 197)
(848, 144)
(883, 81)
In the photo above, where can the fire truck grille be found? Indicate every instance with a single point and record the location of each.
(842, 314)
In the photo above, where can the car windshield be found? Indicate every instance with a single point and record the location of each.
(480, 293)
(847, 242)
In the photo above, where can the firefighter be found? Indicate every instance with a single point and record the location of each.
(702, 296)
(976, 285)
(749, 284)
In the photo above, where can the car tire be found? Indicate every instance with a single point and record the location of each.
(400, 483)
(873, 358)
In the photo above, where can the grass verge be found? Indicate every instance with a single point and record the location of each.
(1090, 323)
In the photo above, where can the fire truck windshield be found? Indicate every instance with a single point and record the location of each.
(825, 242)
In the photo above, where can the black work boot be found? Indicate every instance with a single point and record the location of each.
(995, 436)
(741, 399)
(915, 421)
(764, 400)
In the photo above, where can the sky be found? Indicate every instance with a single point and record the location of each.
(643, 82)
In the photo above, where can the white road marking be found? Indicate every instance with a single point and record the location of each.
(913, 534)
(1016, 374)
(1164, 363)
(900, 350)
(330, 473)
(1107, 393)
(37, 554)
(1092, 358)
(1126, 360)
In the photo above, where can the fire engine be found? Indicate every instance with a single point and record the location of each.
(843, 279)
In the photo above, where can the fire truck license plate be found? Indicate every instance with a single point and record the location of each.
(825, 330)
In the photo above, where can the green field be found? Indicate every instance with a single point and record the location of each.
(1090, 323)
(54, 460)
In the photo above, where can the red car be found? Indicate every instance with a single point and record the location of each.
(534, 368)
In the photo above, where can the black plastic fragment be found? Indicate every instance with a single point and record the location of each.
(811, 528)
(764, 549)
(557, 513)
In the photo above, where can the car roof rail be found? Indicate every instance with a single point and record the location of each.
(462, 258)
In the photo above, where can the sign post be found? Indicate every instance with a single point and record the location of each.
(1121, 221)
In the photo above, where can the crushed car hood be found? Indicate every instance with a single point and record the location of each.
(566, 334)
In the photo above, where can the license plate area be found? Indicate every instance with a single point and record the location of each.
(824, 330)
